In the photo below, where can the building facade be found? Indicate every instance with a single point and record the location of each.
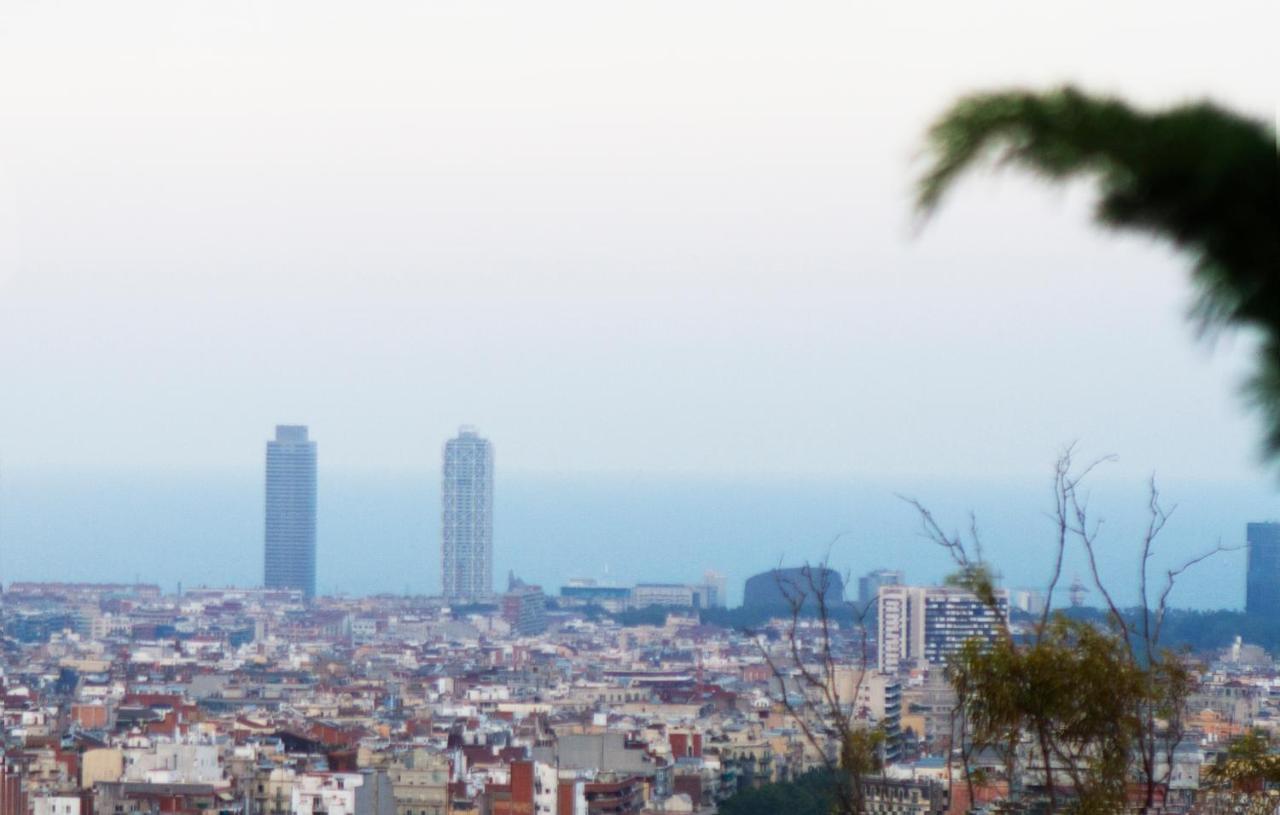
(775, 591)
(467, 533)
(894, 608)
(713, 590)
(525, 609)
(666, 595)
(876, 699)
(869, 586)
(360, 793)
(930, 625)
(1262, 583)
(289, 558)
(584, 592)
(420, 782)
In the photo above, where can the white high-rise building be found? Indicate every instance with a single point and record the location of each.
(713, 590)
(917, 624)
(467, 533)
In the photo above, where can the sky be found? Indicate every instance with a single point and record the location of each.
(660, 237)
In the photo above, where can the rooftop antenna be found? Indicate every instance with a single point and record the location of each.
(1077, 592)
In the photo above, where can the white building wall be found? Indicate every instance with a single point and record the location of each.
(332, 793)
(55, 805)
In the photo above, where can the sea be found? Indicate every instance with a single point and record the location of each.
(380, 533)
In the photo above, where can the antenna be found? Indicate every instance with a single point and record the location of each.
(1077, 592)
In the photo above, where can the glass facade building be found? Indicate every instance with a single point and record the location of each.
(289, 556)
(1262, 581)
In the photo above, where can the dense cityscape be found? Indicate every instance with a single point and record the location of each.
(493, 407)
(587, 698)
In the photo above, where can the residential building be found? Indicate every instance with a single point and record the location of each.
(893, 627)
(14, 799)
(420, 782)
(272, 791)
(173, 763)
(363, 793)
(904, 797)
(60, 805)
(127, 798)
(877, 699)
(672, 595)
(525, 609)
(467, 518)
(606, 794)
(931, 624)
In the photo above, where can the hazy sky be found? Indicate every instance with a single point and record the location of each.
(656, 236)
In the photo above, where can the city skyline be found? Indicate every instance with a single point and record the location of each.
(375, 530)
(888, 397)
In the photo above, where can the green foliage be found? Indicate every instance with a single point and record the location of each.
(1075, 692)
(649, 615)
(1248, 763)
(1202, 631)
(860, 751)
(743, 618)
(1249, 747)
(811, 794)
(1202, 177)
(978, 580)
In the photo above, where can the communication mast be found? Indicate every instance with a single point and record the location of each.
(1077, 592)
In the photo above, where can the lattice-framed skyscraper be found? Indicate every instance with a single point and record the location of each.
(467, 518)
(289, 551)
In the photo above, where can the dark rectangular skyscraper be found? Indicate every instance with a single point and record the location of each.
(870, 583)
(467, 534)
(289, 558)
(1262, 584)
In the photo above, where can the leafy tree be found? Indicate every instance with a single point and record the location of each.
(1201, 631)
(806, 665)
(1248, 764)
(1089, 706)
(1245, 779)
(1200, 176)
(810, 794)
(1068, 705)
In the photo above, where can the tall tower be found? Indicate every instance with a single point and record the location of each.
(289, 557)
(1262, 581)
(467, 533)
(869, 586)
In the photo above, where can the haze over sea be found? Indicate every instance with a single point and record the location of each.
(381, 533)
